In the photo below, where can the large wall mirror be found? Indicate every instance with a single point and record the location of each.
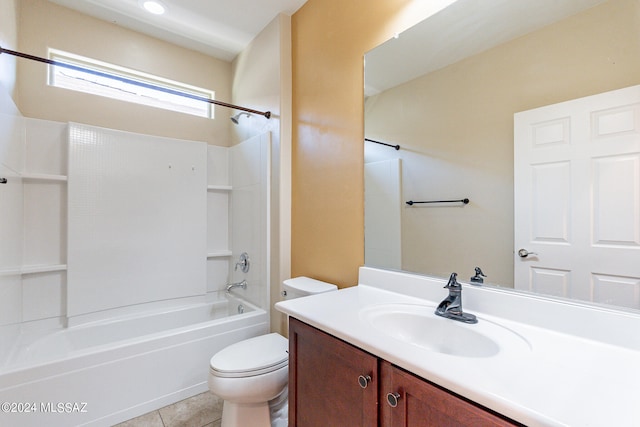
(446, 91)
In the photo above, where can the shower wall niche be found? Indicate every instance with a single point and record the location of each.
(50, 249)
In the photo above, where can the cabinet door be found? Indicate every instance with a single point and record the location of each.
(420, 403)
(324, 383)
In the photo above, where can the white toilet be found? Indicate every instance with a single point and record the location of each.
(252, 375)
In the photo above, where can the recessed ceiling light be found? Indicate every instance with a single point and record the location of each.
(153, 6)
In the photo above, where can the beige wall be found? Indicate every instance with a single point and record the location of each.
(262, 79)
(456, 129)
(8, 40)
(330, 38)
(45, 25)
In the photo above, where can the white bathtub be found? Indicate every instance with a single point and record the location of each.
(105, 372)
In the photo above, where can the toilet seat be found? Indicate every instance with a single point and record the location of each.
(251, 357)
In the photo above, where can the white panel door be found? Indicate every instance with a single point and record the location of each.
(577, 198)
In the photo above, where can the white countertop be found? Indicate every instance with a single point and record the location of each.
(558, 379)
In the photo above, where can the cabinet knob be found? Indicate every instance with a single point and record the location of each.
(364, 380)
(392, 399)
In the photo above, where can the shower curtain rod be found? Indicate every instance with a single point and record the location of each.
(397, 147)
(267, 114)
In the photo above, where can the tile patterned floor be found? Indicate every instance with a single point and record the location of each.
(202, 410)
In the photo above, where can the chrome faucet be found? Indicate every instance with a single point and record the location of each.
(242, 285)
(451, 306)
(478, 279)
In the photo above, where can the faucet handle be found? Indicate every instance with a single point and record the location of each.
(243, 263)
(478, 278)
(453, 281)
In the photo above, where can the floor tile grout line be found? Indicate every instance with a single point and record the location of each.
(169, 422)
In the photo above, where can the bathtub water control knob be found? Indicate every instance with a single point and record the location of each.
(364, 380)
(243, 263)
(392, 399)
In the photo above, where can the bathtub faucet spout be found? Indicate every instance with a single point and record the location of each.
(242, 285)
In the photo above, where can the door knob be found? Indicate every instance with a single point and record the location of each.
(523, 253)
(392, 399)
(364, 380)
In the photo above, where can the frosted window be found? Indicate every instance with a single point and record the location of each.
(111, 81)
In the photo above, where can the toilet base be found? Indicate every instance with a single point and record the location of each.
(279, 409)
(245, 414)
(267, 414)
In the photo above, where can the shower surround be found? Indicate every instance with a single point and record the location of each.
(115, 251)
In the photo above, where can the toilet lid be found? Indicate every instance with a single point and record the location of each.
(254, 356)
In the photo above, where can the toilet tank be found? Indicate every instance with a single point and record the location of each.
(303, 286)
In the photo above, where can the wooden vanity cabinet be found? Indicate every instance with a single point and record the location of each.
(420, 403)
(334, 384)
(324, 380)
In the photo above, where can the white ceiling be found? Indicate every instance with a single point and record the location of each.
(220, 28)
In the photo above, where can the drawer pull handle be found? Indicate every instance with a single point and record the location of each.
(392, 399)
(364, 380)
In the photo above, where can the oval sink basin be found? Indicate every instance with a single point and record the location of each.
(418, 325)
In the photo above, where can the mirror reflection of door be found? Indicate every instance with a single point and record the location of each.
(577, 198)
